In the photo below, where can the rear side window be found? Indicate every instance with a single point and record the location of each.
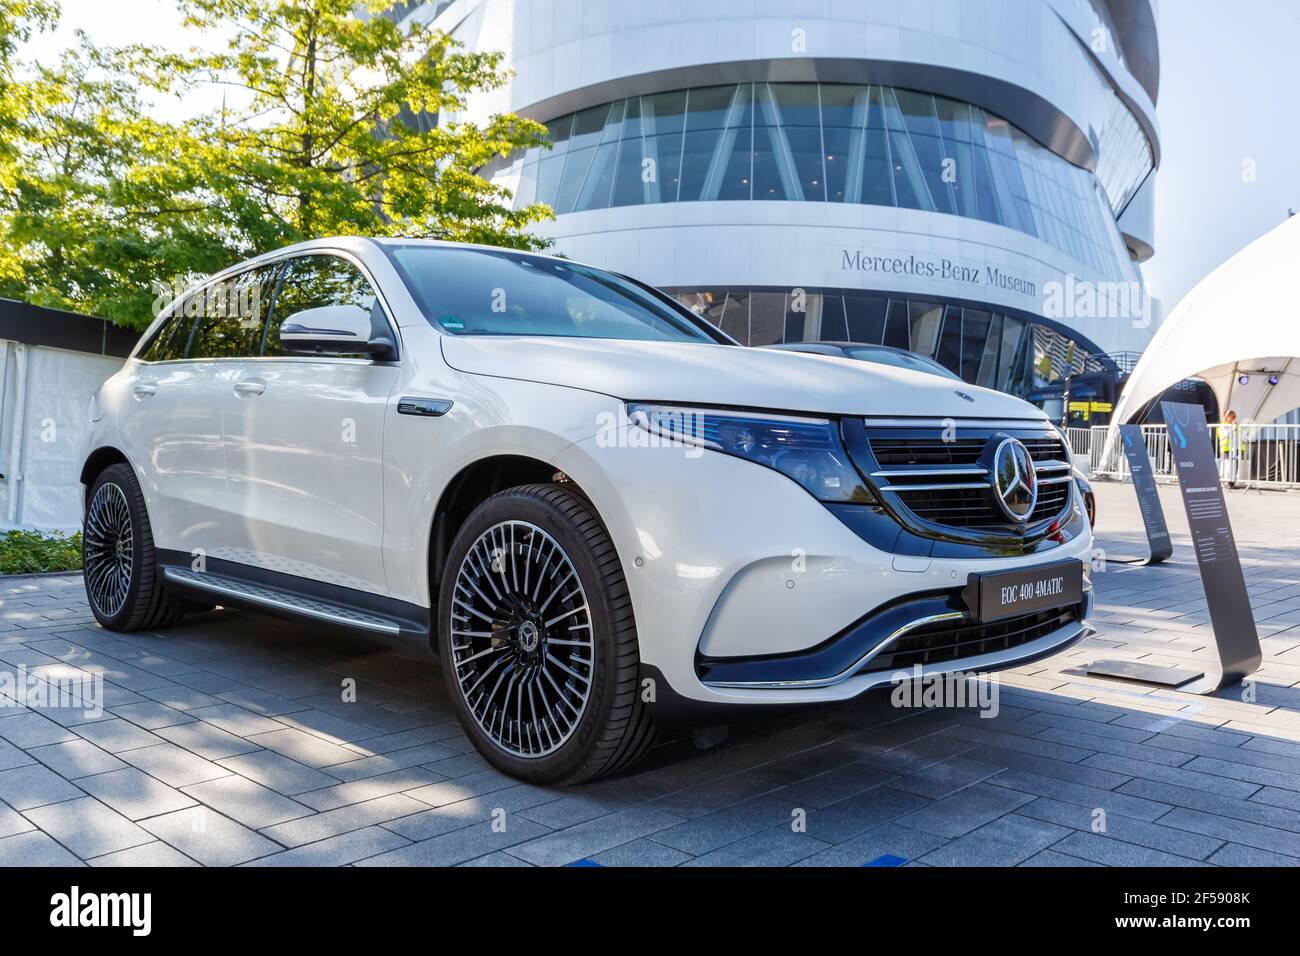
(230, 315)
(313, 281)
(168, 342)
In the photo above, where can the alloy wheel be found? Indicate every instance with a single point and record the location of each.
(109, 546)
(521, 639)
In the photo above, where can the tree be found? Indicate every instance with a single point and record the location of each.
(18, 20)
(336, 133)
(103, 199)
(331, 134)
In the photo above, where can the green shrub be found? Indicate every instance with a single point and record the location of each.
(30, 552)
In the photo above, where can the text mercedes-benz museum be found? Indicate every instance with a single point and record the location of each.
(972, 180)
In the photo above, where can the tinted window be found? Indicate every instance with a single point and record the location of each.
(230, 315)
(482, 292)
(168, 341)
(311, 282)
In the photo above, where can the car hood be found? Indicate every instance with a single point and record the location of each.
(704, 374)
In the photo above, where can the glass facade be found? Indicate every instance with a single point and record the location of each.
(984, 345)
(822, 142)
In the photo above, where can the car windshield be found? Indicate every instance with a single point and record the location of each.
(497, 292)
(900, 360)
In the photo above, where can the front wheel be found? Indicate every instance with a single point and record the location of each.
(119, 564)
(538, 641)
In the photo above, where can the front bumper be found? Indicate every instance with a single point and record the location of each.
(730, 562)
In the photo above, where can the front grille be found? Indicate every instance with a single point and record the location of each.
(945, 641)
(943, 482)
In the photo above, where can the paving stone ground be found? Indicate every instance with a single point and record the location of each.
(227, 742)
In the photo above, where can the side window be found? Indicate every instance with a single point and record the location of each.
(168, 341)
(313, 281)
(230, 315)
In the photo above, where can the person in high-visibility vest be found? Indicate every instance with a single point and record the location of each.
(1229, 447)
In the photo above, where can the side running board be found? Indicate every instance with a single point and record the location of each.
(277, 599)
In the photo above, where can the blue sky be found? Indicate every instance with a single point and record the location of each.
(1230, 73)
(1228, 95)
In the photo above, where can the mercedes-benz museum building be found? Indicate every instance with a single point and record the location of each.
(969, 179)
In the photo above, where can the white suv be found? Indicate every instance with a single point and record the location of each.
(601, 512)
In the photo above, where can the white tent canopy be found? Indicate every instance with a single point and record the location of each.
(1240, 321)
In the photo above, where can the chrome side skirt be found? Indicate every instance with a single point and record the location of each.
(249, 593)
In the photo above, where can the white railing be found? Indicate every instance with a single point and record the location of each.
(1249, 456)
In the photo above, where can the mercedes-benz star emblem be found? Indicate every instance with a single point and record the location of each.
(1014, 480)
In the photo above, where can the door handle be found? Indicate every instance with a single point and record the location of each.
(144, 391)
(248, 389)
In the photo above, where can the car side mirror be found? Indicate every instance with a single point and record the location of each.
(333, 330)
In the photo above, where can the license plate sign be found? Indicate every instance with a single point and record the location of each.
(1003, 594)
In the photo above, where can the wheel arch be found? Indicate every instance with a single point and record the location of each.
(98, 460)
(474, 484)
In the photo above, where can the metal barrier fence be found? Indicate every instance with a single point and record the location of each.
(1249, 456)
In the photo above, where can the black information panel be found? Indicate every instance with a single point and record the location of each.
(1216, 550)
(1144, 483)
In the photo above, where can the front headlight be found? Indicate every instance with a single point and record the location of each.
(807, 450)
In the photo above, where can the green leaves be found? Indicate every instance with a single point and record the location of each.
(328, 125)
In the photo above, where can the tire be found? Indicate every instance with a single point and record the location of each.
(538, 555)
(120, 565)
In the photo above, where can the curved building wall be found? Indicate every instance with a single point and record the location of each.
(981, 153)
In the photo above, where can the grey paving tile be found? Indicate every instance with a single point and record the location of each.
(1234, 854)
(337, 850)
(1103, 849)
(135, 794)
(1235, 831)
(34, 786)
(496, 859)
(207, 740)
(11, 822)
(1119, 827)
(247, 802)
(172, 765)
(1112, 801)
(321, 826)
(1176, 775)
(87, 827)
(236, 720)
(278, 772)
(640, 852)
(377, 764)
(151, 715)
(459, 846)
(889, 839)
(35, 849)
(703, 834)
(1052, 858)
(30, 729)
(156, 853)
(965, 810)
(117, 735)
(866, 811)
(301, 746)
(208, 837)
(778, 846)
(587, 839)
(946, 777)
(76, 758)
(11, 756)
(1006, 841)
(462, 788)
(832, 786)
(368, 788)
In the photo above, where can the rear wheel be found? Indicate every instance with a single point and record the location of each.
(120, 568)
(538, 640)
